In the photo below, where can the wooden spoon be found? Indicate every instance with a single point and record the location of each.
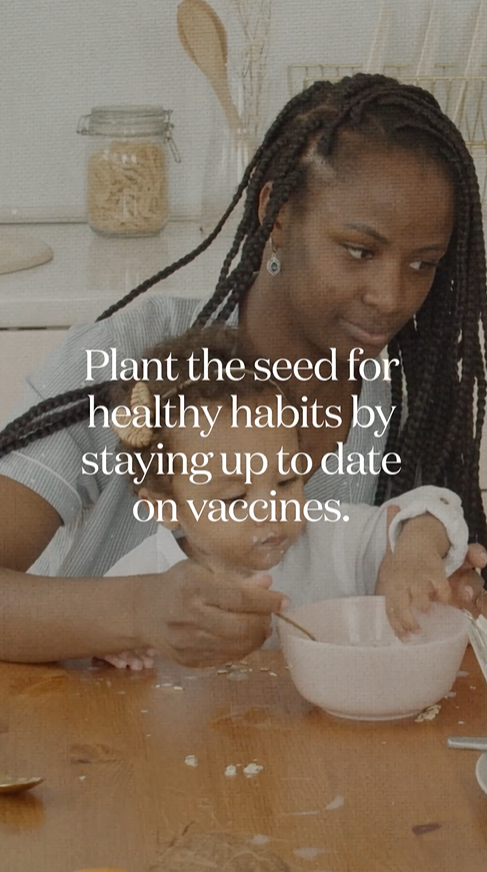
(16, 784)
(298, 626)
(204, 40)
(219, 27)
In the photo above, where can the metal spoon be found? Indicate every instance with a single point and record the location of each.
(17, 784)
(475, 743)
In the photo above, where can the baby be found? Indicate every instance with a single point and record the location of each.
(233, 496)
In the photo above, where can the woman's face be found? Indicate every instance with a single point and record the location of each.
(359, 256)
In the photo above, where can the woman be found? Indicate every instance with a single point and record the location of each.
(362, 228)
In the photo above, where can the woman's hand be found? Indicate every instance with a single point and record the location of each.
(205, 615)
(467, 586)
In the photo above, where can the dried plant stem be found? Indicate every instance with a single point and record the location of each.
(254, 17)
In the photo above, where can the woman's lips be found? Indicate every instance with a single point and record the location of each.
(366, 336)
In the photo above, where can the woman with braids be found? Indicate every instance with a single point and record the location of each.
(362, 229)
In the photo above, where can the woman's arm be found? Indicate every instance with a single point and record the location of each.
(195, 615)
(27, 524)
(44, 619)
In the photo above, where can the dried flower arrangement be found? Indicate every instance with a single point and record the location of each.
(250, 63)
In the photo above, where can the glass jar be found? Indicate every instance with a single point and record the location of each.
(126, 178)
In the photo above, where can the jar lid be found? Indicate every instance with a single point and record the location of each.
(126, 120)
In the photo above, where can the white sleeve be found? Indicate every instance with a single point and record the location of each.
(345, 556)
(157, 553)
(371, 539)
(442, 504)
(142, 560)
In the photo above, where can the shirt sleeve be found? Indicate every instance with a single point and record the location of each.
(344, 557)
(52, 467)
(444, 505)
(373, 536)
(157, 553)
(142, 560)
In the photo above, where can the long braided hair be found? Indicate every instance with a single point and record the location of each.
(442, 369)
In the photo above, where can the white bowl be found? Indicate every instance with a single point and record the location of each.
(481, 772)
(359, 668)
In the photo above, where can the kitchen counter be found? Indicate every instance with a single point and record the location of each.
(88, 273)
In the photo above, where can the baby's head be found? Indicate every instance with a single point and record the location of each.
(207, 459)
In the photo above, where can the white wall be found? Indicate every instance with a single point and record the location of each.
(58, 58)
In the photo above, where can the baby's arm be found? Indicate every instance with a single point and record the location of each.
(422, 550)
(414, 573)
(404, 550)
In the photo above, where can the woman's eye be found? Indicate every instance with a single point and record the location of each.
(358, 253)
(422, 265)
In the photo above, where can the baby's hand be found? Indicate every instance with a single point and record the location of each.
(413, 575)
(141, 658)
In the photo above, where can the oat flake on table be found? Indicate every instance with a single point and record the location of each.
(429, 714)
(252, 769)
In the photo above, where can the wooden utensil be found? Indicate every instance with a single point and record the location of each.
(298, 626)
(219, 27)
(17, 784)
(204, 40)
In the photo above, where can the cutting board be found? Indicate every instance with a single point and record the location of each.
(22, 251)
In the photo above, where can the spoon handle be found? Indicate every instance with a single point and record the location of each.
(476, 743)
(298, 626)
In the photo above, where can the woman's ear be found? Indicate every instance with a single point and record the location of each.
(167, 519)
(264, 195)
(279, 223)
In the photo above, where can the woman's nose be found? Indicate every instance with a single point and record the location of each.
(385, 289)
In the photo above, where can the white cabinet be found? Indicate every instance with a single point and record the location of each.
(86, 276)
(21, 352)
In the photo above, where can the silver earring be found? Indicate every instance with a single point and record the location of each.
(273, 264)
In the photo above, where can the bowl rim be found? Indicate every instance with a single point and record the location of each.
(289, 630)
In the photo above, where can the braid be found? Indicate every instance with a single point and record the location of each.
(50, 416)
(441, 356)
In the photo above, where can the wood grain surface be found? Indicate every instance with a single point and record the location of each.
(332, 796)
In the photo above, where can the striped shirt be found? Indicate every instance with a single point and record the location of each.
(97, 510)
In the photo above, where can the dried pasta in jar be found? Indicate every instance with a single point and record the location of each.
(127, 188)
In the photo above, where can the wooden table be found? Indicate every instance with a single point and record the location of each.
(333, 795)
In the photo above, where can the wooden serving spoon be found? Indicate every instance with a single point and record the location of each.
(204, 40)
(219, 27)
(17, 784)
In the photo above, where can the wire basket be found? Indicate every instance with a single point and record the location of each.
(463, 99)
